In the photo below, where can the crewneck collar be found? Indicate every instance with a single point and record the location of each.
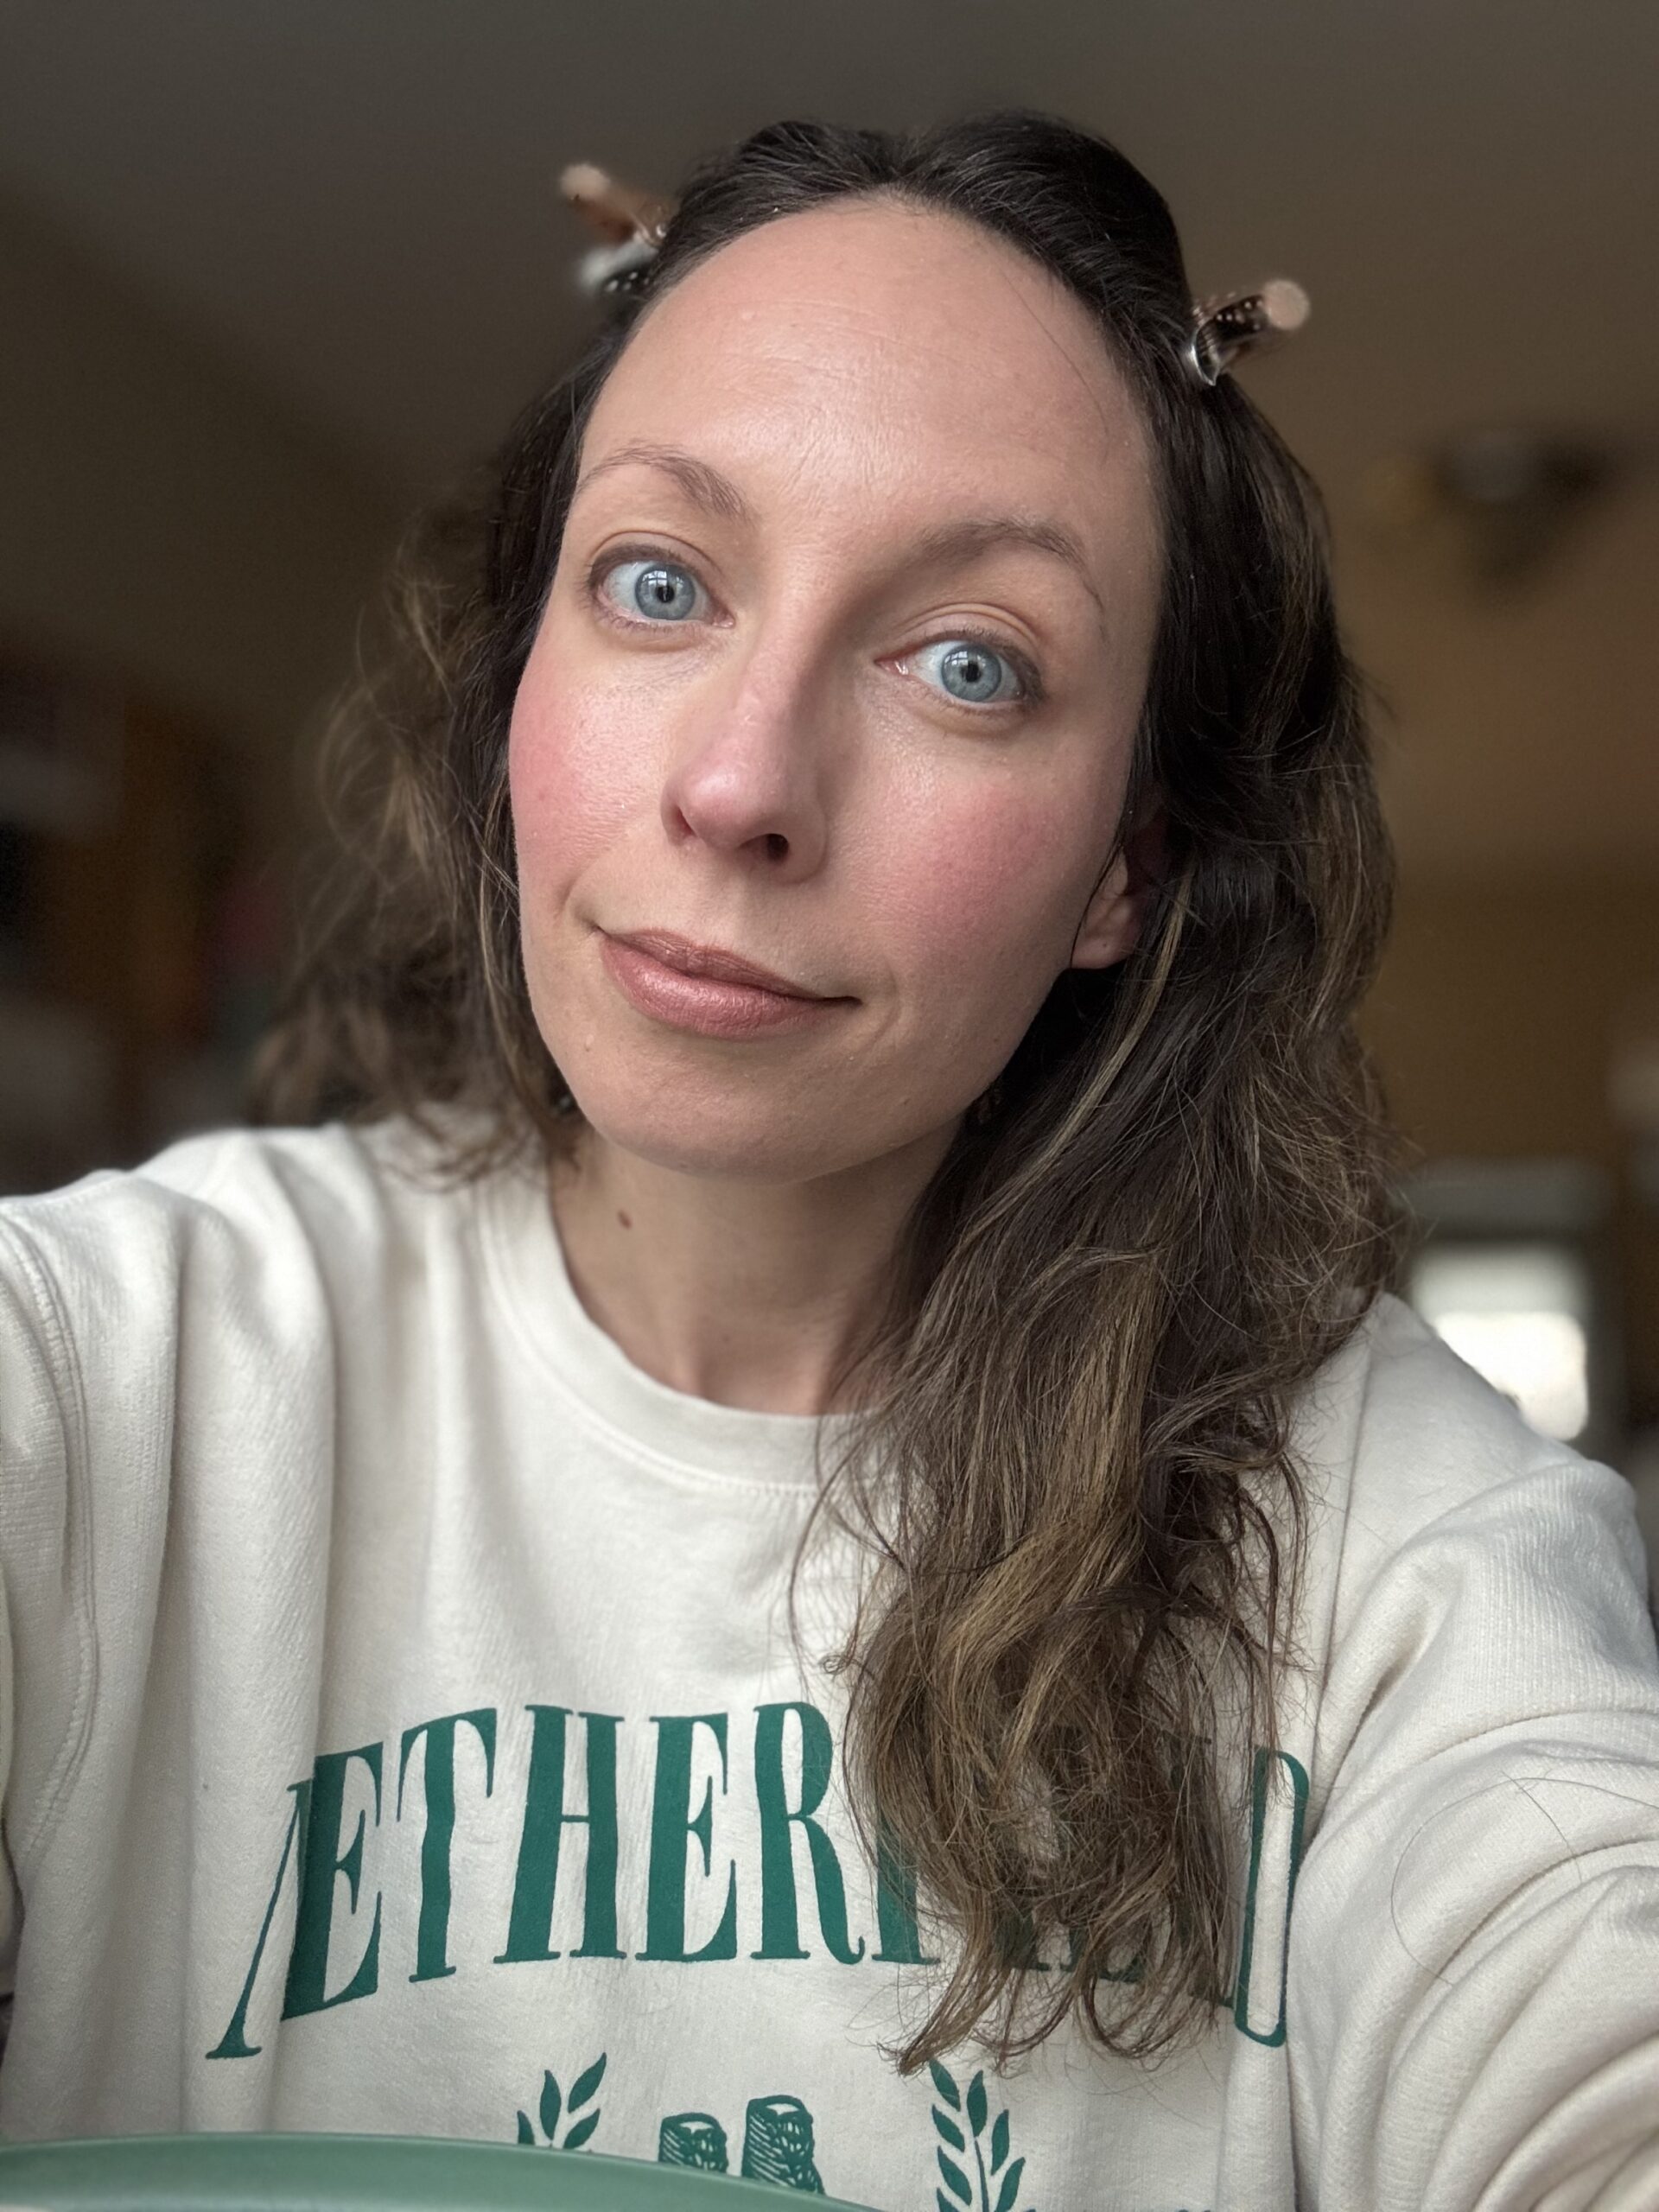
(523, 1251)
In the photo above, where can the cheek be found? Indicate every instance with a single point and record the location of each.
(986, 903)
(568, 774)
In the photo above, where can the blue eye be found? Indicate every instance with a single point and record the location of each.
(972, 671)
(660, 590)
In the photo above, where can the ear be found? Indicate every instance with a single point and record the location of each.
(1111, 927)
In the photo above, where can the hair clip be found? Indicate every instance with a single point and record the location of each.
(630, 222)
(1225, 327)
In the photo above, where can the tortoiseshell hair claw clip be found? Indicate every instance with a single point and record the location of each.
(1224, 329)
(630, 224)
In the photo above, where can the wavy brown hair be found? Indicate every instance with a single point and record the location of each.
(1175, 1205)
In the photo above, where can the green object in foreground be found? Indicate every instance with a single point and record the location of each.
(230, 2172)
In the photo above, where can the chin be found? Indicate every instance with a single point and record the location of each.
(740, 1134)
(748, 1129)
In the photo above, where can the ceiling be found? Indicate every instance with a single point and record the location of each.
(354, 201)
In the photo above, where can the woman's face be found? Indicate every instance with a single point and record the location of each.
(783, 701)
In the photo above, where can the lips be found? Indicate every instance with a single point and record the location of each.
(721, 967)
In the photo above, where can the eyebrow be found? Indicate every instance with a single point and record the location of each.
(959, 541)
(703, 485)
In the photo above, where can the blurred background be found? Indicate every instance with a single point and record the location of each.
(271, 272)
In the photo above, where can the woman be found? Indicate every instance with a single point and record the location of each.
(451, 1528)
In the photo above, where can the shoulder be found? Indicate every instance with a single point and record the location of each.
(1399, 1430)
(213, 1226)
(200, 1300)
(1444, 1498)
(1431, 1427)
(232, 1179)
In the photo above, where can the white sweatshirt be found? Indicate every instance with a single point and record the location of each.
(400, 1734)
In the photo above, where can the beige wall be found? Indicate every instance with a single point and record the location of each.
(159, 519)
(1496, 1018)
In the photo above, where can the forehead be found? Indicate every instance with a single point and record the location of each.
(881, 352)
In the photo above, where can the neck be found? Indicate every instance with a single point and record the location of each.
(748, 1295)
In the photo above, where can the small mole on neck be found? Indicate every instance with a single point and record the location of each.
(623, 1218)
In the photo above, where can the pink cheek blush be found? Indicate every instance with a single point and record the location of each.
(571, 786)
(988, 885)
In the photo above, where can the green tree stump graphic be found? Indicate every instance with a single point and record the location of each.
(958, 2145)
(553, 2107)
(778, 2144)
(692, 2138)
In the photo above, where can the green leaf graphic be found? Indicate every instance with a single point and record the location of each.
(1000, 2139)
(550, 2106)
(582, 2131)
(1010, 2188)
(954, 2180)
(947, 2127)
(586, 2083)
(943, 2202)
(976, 2106)
(526, 2133)
(946, 2087)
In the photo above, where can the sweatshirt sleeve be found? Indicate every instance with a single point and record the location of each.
(45, 1635)
(1473, 1972)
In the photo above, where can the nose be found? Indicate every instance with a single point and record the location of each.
(753, 771)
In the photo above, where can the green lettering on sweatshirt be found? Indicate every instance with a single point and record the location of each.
(432, 1938)
(320, 1860)
(1264, 1759)
(779, 1817)
(666, 1882)
(530, 1926)
(233, 2043)
(780, 1931)
(895, 1905)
